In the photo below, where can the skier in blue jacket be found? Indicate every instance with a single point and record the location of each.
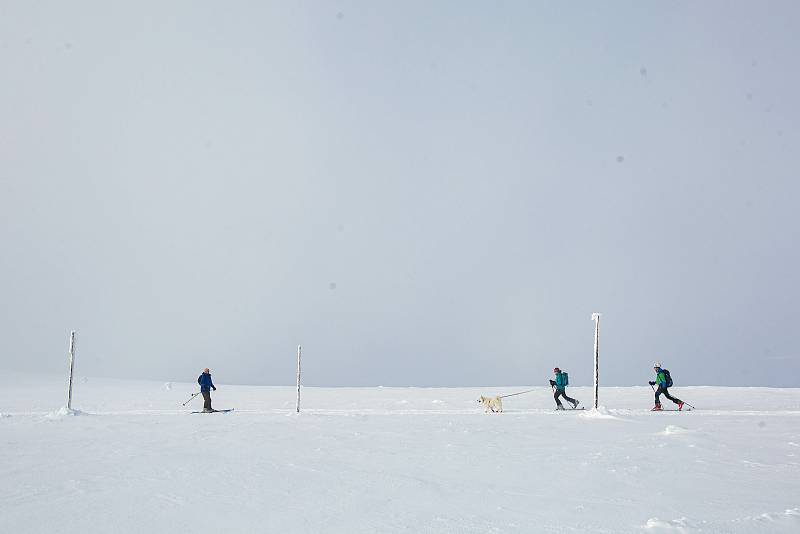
(559, 386)
(206, 385)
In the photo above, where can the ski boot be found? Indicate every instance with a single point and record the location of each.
(656, 408)
(575, 404)
(559, 407)
(680, 406)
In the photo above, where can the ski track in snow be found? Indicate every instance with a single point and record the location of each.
(130, 458)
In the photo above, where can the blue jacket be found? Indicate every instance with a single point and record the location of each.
(205, 382)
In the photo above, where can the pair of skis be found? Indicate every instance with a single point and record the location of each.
(687, 409)
(204, 411)
(574, 408)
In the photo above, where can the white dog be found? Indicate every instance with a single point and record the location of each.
(495, 404)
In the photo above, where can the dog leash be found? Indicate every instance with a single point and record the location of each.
(520, 393)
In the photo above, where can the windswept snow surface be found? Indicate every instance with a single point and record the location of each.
(393, 460)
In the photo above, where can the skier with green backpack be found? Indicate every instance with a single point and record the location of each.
(664, 381)
(559, 386)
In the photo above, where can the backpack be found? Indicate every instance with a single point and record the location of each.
(565, 378)
(667, 378)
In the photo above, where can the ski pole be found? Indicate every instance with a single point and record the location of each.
(190, 398)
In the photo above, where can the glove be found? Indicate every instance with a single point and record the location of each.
(552, 383)
(652, 383)
(215, 389)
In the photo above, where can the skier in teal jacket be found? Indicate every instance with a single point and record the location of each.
(664, 381)
(559, 386)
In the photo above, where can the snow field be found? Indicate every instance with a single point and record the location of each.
(394, 460)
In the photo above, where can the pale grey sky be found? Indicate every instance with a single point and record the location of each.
(421, 193)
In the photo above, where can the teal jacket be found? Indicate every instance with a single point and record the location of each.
(560, 382)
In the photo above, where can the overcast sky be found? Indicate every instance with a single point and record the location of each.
(421, 193)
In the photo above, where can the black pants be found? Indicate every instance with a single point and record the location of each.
(662, 389)
(562, 393)
(206, 399)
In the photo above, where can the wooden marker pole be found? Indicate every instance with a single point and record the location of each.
(596, 319)
(71, 368)
(299, 351)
